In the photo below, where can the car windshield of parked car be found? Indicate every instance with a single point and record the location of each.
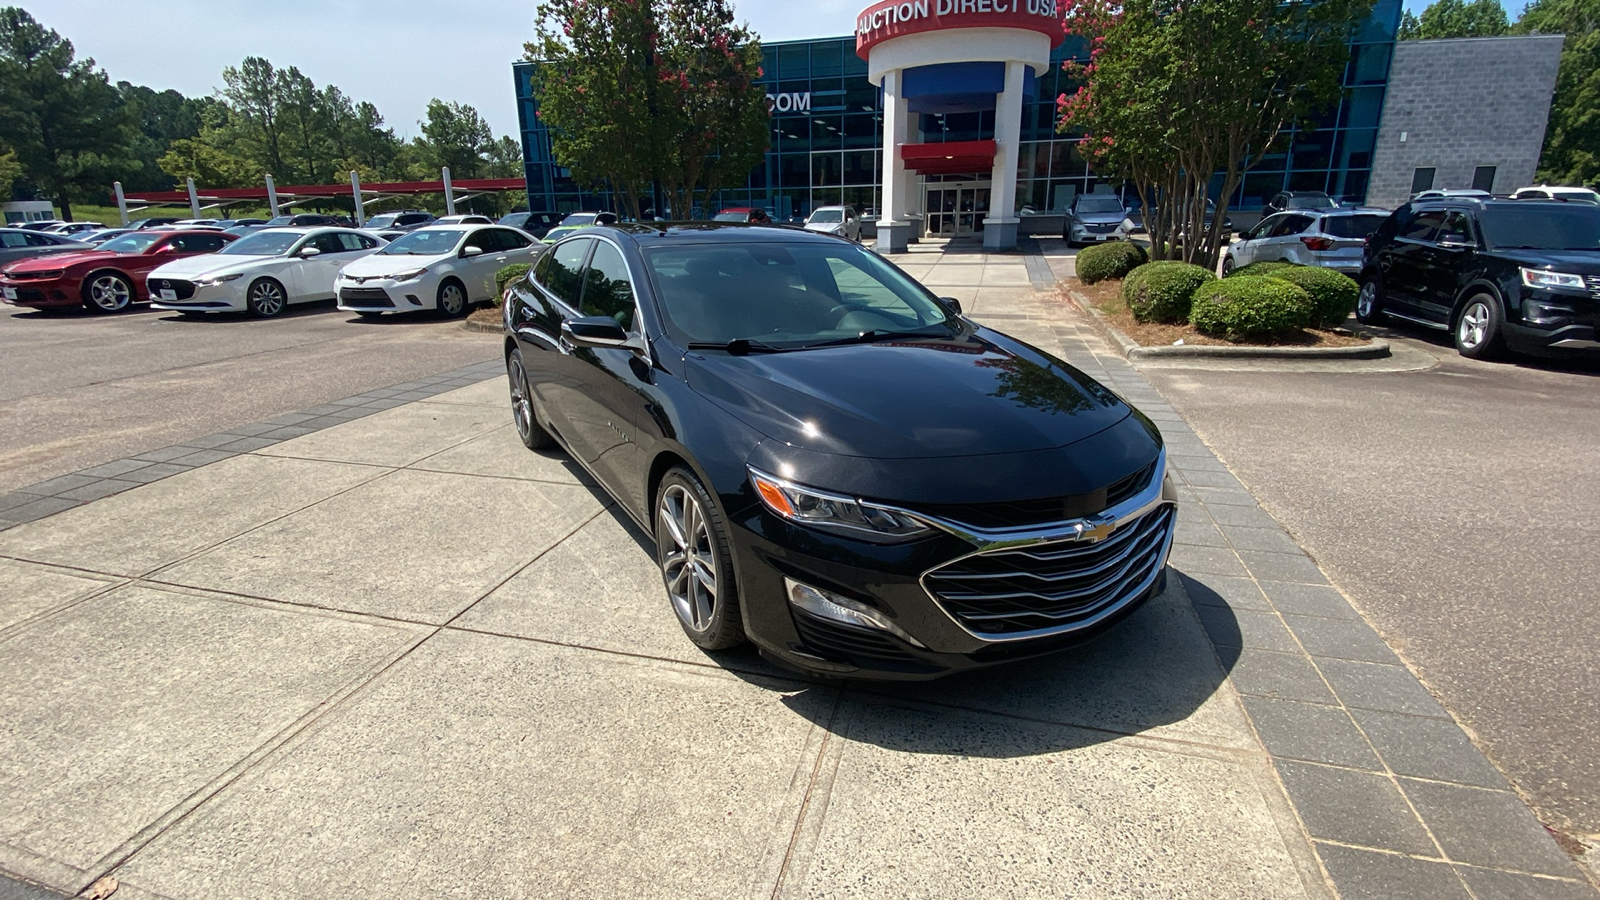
(579, 219)
(262, 243)
(432, 242)
(789, 296)
(386, 221)
(280, 221)
(1351, 226)
(826, 217)
(1318, 202)
(1098, 205)
(1545, 227)
(731, 217)
(131, 243)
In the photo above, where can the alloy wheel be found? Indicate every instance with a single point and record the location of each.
(1367, 301)
(266, 298)
(452, 300)
(521, 406)
(1474, 325)
(110, 293)
(689, 566)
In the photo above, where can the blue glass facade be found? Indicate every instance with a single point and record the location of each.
(827, 135)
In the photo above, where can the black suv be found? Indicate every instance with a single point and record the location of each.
(537, 224)
(1500, 274)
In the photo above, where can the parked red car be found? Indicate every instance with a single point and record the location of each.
(106, 279)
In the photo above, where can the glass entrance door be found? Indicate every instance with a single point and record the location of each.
(956, 208)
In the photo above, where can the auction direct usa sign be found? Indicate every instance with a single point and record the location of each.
(896, 18)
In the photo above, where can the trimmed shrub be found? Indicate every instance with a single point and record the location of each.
(1250, 307)
(1333, 294)
(1258, 269)
(507, 274)
(1113, 259)
(1163, 291)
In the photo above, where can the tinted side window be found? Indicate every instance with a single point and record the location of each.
(1457, 228)
(13, 239)
(510, 240)
(607, 287)
(329, 243)
(41, 240)
(367, 243)
(1423, 226)
(563, 278)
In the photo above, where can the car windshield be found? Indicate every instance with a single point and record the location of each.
(789, 296)
(826, 217)
(432, 242)
(1316, 201)
(579, 219)
(1098, 205)
(262, 243)
(1545, 227)
(1575, 196)
(730, 217)
(280, 221)
(1351, 226)
(130, 243)
(381, 221)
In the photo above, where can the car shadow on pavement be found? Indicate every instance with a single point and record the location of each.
(1444, 342)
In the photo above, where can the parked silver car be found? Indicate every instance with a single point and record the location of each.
(839, 220)
(1331, 239)
(1095, 218)
(15, 244)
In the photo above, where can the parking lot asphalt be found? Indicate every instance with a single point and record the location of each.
(78, 390)
(1458, 508)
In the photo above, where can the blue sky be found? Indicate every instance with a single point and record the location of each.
(396, 53)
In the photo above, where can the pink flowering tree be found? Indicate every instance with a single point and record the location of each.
(646, 93)
(1176, 93)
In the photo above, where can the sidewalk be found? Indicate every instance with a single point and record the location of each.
(391, 652)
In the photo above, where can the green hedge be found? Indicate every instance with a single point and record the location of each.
(1163, 291)
(1113, 259)
(505, 276)
(1333, 294)
(1261, 268)
(1250, 307)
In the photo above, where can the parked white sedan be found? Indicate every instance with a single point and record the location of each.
(443, 268)
(262, 272)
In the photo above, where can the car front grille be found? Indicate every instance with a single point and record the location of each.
(1022, 513)
(183, 290)
(365, 297)
(1099, 228)
(1593, 281)
(1050, 587)
(29, 295)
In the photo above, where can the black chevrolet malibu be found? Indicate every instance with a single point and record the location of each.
(831, 461)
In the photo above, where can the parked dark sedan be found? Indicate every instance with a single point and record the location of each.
(1517, 274)
(537, 224)
(831, 461)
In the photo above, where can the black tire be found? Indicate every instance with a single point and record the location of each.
(107, 292)
(1227, 264)
(533, 435)
(369, 315)
(689, 546)
(1479, 329)
(452, 300)
(266, 298)
(1369, 303)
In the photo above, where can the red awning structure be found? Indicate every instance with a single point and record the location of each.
(332, 191)
(952, 158)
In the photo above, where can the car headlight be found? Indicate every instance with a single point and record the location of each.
(1539, 278)
(42, 276)
(218, 279)
(407, 276)
(835, 512)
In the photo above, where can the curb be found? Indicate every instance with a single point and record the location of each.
(482, 327)
(1132, 350)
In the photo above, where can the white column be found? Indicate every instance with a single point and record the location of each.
(272, 196)
(893, 230)
(449, 192)
(355, 191)
(122, 203)
(1000, 226)
(194, 201)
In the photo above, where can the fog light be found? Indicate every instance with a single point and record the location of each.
(1540, 312)
(833, 607)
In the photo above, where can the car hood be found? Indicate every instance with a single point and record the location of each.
(977, 394)
(52, 261)
(1577, 262)
(376, 265)
(1099, 218)
(824, 226)
(210, 264)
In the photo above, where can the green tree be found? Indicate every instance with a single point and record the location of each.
(1572, 136)
(254, 94)
(454, 135)
(1176, 91)
(10, 171)
(59, 115)
(1455, 19)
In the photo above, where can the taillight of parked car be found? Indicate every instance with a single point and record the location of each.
(1317, 243)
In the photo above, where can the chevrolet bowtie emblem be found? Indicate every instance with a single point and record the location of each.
(1097, 531)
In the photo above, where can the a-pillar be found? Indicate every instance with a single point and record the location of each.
(894, 229)
(1000, 226)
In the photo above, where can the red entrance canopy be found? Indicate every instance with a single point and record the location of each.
(952, 158)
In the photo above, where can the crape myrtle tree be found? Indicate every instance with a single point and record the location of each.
(1177, 90)
(647, 93)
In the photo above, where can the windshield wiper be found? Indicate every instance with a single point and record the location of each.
(737, 346)
(873, 336)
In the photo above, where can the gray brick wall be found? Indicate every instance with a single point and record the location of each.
(1463, 103)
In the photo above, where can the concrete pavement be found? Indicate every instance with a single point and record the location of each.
(398, 654)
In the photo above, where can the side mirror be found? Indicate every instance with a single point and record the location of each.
(594, 331)
(469, 252)
(308, 252)
(953, 303)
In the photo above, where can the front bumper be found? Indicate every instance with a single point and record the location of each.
(1578, 333)
(383, 295)
(1084, 235)
(212, 298)
(40, 293)
(911, 586)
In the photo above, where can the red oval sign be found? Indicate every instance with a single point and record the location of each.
(895, 18)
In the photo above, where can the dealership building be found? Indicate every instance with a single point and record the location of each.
(966, 91)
